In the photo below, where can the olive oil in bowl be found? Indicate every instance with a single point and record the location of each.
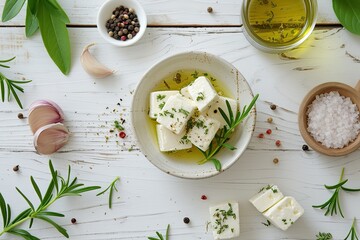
(278, 25)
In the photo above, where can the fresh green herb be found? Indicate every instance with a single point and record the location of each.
(160, 97)
(324, 236)
(205, 74)
(63, 188)
(166, 113)
(184, 140)
(352, 233)
(333, 204)
(267, 224)
(274, 190)
(348, 13)
(183, 111)
(161, 105)
(12, 85)
(49, 16)
(200, 96)
(118, 126)
(160, 236)
(111, 188)
(221, 216)
(221, 138)
(195, 74)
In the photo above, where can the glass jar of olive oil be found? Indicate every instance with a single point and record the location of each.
(278, 25)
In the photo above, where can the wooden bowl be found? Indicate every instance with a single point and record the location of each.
(344, 90)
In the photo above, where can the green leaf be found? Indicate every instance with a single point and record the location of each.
(53, 214)
(350, 189)
(54, 176)
(337, 185)
(57, 226)
(152, 238)
(223, 114)
(86, 189)
(11, 9)
(11, 89)
(228, 146)
(160, 236)
(59, 11)
(22, 215)
(55, 36)
(3, 210)
(167, 231)
(36, 188)
(26, 199)
(31, 22)
(7, 60)
(217, 164)
(231, 114)
(22, 233)
(348, 13)
(9, 214)
(2, 86)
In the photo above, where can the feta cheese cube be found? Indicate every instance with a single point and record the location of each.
(266, 198)
(284, 213)
(176, 112)
(158, 100)
(169, 141)
(214, 112)
(202, 93)
(185, 92)
(225, 220)
(202, 131)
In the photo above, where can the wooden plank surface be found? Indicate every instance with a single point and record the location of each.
(172, 12)
(148, 199)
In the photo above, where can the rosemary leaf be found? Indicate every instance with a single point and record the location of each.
(111, 187)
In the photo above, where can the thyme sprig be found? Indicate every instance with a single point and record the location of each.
(111, 189)
(333, 205)
(324, 236)
(12, 85)
(160, 236)
(221, 138)
(58, 188)
(352, 233)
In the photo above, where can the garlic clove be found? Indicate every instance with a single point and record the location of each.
(50, 138)
(92, 66)
(44, 112)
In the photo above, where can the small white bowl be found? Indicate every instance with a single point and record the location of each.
(105, 13)
(233, 82)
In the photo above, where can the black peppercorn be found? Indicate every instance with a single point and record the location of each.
(73, 220)
(20, 116)
(210, 9)
(16, 168)
(273, 106)
(186, 220)
(305, 147)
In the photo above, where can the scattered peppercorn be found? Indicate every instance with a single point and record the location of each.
(20, 116)
(186, 220)
(268, 131)
(123, 24)
(276, 160)
(73, 220)
(261, 135)
(210, 9)
(203, 197)
(16, 168)
(122, 134)
(278, 143)
(273, 106)
(305, 147)
(269, 120)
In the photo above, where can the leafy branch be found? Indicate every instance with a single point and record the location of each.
(111, 187)
(221, 138)
(160, 236)
(352, 233)
(12, 85)
(51, 19)
(333, 205)
(324, 236)
(58, 188)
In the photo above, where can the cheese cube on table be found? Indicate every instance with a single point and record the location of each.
(176, 112)
(202, 93)
(169, 141)
(158, 100)
(214, 112)
(284, 213)
(185, 92)
(202, 131)
(266, 198)
(225, 220)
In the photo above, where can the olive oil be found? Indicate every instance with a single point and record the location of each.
(279, 21)
(176, 81)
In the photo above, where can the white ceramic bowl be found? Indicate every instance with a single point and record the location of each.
(105, 13)
(232, 80)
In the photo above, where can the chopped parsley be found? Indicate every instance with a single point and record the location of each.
(274, 190)
(183, 111)
(267, 224)
(195, 74)
(161, 105)
(184, 140)
(167, 113)
(118, 126)
(160, 97)
(221, 216)
(200, 96)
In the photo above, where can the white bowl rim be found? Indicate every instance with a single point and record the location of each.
(193, 177)
(139, 11)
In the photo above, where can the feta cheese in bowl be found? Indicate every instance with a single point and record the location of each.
(214, 80)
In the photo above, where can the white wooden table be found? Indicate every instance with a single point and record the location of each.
(148, 199)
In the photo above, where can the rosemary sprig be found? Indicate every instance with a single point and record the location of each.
(12, 85)
(160, 236)
(333, 205)
(221, 138)
(111, 187)
(324, 236)
(352, 233)
(58, 188)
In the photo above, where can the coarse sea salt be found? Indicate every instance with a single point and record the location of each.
(333, 120)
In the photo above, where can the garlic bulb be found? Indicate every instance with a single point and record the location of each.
(50, 138)
(44, 112)
(92, 66)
